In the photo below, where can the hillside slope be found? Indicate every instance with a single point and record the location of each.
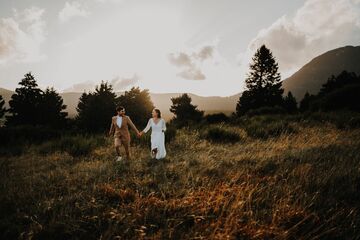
(315, 73)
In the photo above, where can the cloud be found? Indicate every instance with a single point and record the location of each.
(192, 74)
(22, 35)
(190, 63)
(205, 53)
(318, 26)
(81, 87)
(119, 83)
(180, 60)
(71, 10)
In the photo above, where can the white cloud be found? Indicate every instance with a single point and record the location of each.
(318, 26)
(21, 36)
(190, 63)
(81, 87)
(118, 84)
(121, 83)
(71, 10)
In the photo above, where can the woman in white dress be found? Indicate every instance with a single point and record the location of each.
(158, 128)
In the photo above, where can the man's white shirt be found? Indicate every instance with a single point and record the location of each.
(119, 121)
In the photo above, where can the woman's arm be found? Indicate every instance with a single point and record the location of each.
(147, 128)
(163, 125)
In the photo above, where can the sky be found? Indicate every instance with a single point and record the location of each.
(202, 47)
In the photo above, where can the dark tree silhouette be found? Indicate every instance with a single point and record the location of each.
(138, 105)
(95, 109)
(29, 105)
(2, 108)
(184, 111)
(334, 83)
(305, 102)
(290, 103)
(51, 109)
(24, 103)
(340, 92)
(216, 118)
(262, 83)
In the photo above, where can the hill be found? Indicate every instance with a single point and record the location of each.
(315, 73)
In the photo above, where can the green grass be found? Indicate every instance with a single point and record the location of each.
(302, 183)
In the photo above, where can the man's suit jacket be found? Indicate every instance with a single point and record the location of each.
(123, 131)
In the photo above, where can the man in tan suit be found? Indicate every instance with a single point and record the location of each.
(120, 129)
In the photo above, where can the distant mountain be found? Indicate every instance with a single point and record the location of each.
(6, 94)
(160, 100)
(315, 73)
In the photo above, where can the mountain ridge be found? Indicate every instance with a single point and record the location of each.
(162, 101)
(316, 72)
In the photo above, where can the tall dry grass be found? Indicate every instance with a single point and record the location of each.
(300, 184)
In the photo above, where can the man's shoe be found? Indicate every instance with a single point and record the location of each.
(119, 159)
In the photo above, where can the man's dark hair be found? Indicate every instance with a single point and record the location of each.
(119, 108)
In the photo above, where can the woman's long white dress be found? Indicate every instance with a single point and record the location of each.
(157, 136)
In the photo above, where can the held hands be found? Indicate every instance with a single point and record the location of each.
(140, 134)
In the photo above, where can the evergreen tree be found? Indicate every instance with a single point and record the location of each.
(96, 109)
(290, 103)
(305, 102)
(24, 103)
(2, 108)
(138, 105)
(184, 111)
(263, 83)
(335, 83)
(51, 109)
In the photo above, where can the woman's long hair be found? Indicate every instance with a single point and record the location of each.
(158, 112)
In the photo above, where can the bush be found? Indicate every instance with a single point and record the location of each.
(266, 127)
(266, 110)
(220, 135)
(341, 119)
(216, 118)
(26, 134)
(74, 145)
(13, 140)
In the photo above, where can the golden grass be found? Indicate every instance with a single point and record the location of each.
(303, 185)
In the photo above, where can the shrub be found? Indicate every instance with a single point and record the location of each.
(220, 135)
(266, 110)
(216, 118)
(341, 119)
(74, 145)
(260, 129)
(26, 134)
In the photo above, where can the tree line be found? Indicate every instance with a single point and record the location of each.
(30, 105)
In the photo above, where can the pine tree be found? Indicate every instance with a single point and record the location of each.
(138, 105)
(51, 108)
(95, 109)
(306, 102)
(24, 103)
(290, 103)
(2, 108)
(263, 85)
(184, 111)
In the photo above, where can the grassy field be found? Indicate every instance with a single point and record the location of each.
(275, 179)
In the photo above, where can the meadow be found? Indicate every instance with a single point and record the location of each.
(262, 177)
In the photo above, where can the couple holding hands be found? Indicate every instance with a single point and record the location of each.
(120, 130)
